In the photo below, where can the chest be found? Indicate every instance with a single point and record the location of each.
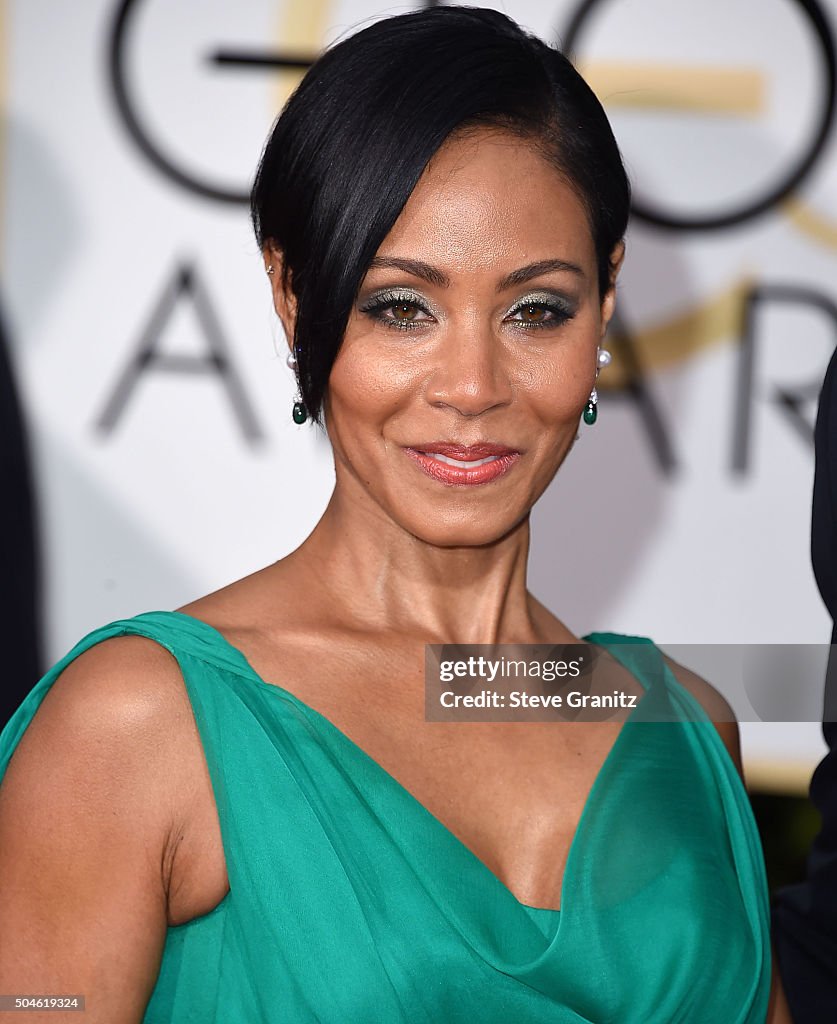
(511, 793)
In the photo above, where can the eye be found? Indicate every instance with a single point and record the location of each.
(535, 314)
(541, 313)
(405, 307)
(403, 312)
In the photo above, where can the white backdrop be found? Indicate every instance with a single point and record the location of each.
(668, 520)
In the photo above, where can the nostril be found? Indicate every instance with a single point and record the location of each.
(470, 391)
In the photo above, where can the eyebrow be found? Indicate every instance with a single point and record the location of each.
(436, 277)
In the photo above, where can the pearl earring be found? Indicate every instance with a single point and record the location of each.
(603, 359)
(299, 412)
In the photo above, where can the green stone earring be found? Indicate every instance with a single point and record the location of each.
(299, 412)
(603, 359)
(590, 410)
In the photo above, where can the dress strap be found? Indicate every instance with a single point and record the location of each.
(638, 654)
(181, 635)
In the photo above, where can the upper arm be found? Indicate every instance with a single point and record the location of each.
(87, 809)
(723, 718)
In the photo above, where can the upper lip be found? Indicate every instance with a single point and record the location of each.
(464, 452)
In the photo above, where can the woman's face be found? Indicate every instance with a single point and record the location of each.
(471, 351)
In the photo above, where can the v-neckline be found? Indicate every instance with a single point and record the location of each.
(451, 837)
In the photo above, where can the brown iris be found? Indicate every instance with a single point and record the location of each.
(406, 308)
(539, 312)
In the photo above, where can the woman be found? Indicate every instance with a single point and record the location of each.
(246, 815)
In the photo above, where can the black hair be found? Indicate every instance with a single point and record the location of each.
(354, 137)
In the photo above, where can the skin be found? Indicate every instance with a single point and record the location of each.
(396, 561)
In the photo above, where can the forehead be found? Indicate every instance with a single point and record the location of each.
(487, 199)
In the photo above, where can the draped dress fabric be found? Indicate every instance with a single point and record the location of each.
(351, 903)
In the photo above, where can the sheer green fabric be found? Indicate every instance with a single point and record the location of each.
(350, 903)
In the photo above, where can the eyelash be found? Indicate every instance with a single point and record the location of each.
(374, 308)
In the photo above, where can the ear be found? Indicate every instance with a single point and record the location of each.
(284, 300)
(609, 298)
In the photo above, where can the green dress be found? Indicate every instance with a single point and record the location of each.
(350, 903)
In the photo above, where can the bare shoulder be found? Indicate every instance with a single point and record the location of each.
(111, 736)
(714, 704)
(120, 670)
(125, 693)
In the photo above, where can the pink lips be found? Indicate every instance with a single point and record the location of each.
(451, 463)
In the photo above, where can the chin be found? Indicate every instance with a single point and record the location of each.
(475, 532)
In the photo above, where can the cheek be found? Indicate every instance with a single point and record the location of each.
(557, 380)
(369, 381)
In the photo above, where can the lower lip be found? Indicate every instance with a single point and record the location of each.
(447, 474)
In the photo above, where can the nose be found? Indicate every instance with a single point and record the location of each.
(471, 373)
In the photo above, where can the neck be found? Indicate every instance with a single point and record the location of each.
(371, 574)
